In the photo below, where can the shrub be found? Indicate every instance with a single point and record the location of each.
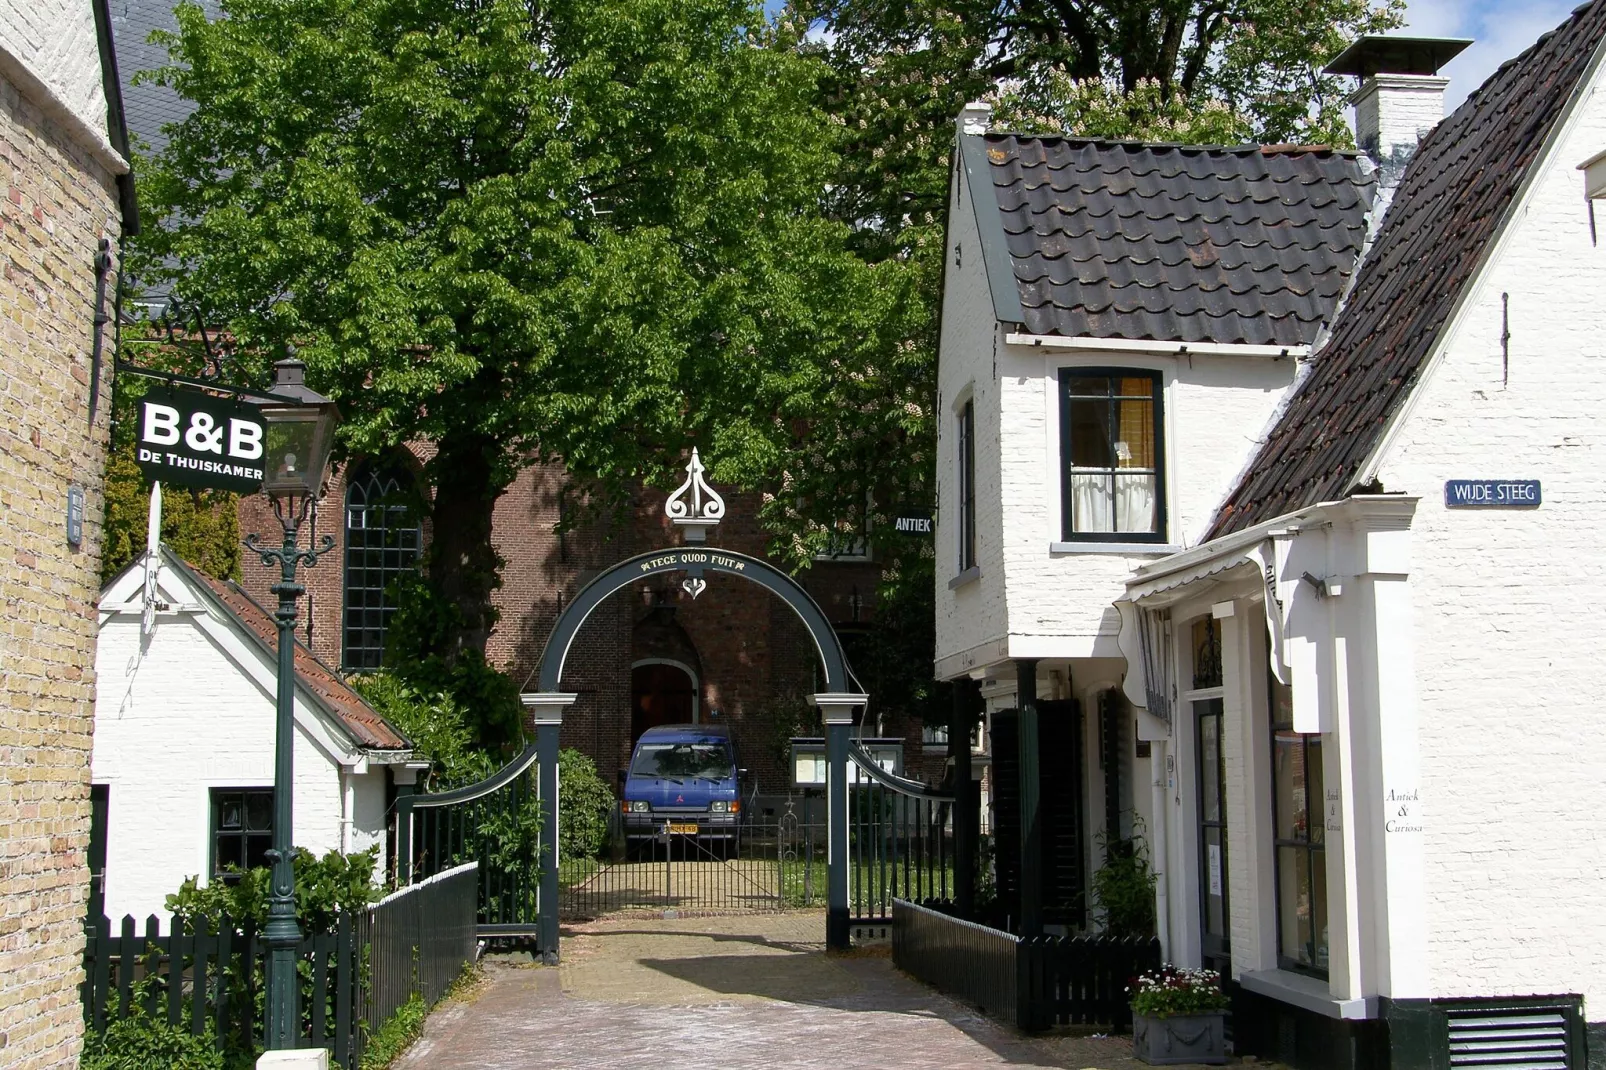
(1174, 991)
(140, 1042)
(396, 1035)
(1123, 887)
(325, 887)
(585, 803)
(435, 723)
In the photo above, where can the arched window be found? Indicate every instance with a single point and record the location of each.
(383, 541)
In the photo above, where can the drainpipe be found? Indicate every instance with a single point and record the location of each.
(348, 805)
(1157, 849)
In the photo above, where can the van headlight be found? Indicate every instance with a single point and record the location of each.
(720, 807)
(641, 806)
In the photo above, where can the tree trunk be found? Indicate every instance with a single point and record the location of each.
(464, 567)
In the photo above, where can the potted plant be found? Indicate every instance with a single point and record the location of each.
(1178, 1016)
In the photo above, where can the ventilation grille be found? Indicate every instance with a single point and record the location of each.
(1512, 1040)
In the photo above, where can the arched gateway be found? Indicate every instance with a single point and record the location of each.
(695, 509)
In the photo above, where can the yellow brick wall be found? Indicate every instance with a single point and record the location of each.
(56, 201)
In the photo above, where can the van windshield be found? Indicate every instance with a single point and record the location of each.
(705, 761)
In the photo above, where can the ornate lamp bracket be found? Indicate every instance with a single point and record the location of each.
(695, 507)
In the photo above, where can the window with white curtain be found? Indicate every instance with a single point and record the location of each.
(1112, 455)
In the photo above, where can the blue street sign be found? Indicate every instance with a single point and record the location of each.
(1492, 494)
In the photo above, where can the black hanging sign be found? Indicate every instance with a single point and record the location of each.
(190, 439)
(913, 521)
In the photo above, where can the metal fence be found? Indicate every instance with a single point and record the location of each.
(418, 940)
(970, 961)
(200, 977)
(770, 863)
(900, 842)
(1033, 983)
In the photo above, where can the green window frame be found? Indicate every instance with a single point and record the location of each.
(242, 831)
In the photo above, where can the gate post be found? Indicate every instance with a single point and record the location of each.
(544, 713)
(836, 709)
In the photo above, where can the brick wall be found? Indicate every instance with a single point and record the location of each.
(753, 653)
(56, 201)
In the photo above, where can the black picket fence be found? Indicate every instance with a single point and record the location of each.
(1032, 983)
(418, 940)
(203, 976)
(352, 979)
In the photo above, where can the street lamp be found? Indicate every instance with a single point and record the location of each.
(300, 429)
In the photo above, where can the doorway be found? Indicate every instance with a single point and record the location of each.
(661, 692)
(1212, 778)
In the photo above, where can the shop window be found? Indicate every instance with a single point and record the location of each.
(242, 830)
(383, 542)
(967, 485)
(1111, 453)
(1299, 839)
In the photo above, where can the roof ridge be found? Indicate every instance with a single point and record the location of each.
(1243, 148)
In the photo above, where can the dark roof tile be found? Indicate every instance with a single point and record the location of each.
(1455, 193)
(1178, 243)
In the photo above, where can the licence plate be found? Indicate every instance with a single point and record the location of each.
(682, 830)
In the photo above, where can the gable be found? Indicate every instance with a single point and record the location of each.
(1454, 200)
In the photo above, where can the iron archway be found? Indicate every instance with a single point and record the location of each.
(694, 561)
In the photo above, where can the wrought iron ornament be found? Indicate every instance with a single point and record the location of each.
(704, 509)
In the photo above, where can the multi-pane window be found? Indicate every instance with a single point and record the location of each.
(967, 485)
(383, 541)
(1299, 831)
(242, 830)
(1112, 475)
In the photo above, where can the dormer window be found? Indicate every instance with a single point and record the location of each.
(1112, 478)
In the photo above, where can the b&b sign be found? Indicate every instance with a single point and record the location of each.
(191, 439)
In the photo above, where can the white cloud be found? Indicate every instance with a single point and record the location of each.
(1500, 29)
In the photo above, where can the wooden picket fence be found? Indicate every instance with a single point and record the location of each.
(205, 977)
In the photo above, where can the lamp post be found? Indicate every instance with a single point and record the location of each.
(300, 430)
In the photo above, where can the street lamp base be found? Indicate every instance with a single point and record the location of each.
(296, 1059)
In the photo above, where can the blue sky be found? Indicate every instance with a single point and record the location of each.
(1499, 28)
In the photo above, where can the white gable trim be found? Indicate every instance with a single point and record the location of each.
(123, 596)
(1548, 155)
(1156, 348)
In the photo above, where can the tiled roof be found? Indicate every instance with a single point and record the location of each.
(360, 719)
(1456, 191)
(148, 107)
(1109, 239)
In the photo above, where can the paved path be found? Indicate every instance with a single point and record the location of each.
(733, 993)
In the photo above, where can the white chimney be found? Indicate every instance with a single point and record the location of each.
(1401, 96)
(976, 117)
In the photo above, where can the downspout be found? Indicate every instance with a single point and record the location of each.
(1162, 904)
(348, 805)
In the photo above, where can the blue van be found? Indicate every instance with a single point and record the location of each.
(682, 781)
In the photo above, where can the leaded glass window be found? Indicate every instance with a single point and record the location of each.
(383, 541)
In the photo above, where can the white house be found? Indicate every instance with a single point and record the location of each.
(182, 768)
(1357, 668)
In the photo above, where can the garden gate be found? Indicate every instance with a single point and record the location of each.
(472, 823)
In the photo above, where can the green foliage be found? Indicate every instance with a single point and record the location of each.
(585, 803)
(770, 728)
(1092, 107)
(1123, 888)
(396, 1035)
(575, 230)
(201, 526)
(437, 726)
(1173, 991)
(140, 1042)
(325, 887)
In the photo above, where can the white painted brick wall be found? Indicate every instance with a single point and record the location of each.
(974, 613)
(1510, 635)
(172, 723)
(55, 41)
(1396, 110)
(1061, 604)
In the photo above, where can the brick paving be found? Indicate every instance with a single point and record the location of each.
(756, 992)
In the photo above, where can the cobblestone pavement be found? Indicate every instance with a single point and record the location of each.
(731, 993)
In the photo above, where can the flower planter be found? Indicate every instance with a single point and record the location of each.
(1180, 1039)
